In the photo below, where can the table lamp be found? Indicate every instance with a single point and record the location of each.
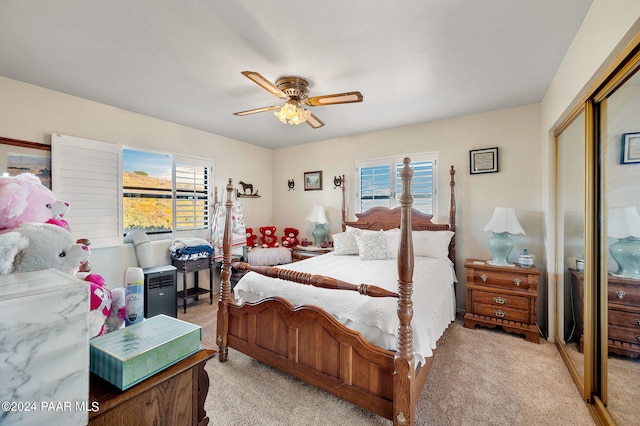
(319, 217)
(623, 223)
(503, 222)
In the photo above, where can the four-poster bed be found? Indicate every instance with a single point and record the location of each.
(311, 344)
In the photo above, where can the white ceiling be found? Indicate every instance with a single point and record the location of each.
(180, 60)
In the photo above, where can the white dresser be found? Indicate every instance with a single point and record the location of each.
(44, 349)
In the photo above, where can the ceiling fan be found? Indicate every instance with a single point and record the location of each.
(295, 90)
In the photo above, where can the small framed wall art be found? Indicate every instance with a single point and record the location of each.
(630, 148)
(312, 181)
(483, 160)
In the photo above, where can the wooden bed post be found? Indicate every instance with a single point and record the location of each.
(404, 392)
(344, 205)
(225, 274)
(452, 215)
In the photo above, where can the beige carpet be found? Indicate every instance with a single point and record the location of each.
(479, 377)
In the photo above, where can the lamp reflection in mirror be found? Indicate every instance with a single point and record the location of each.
(503, 222)
(319, 217)
(623, 223)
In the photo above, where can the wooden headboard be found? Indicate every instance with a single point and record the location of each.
(378, 218)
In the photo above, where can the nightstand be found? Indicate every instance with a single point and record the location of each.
(504, 296)
(623, 302)
(302, 252)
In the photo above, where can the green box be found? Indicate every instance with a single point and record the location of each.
(128, 356)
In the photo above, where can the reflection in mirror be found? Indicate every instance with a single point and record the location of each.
(570, 233)
(622, 194)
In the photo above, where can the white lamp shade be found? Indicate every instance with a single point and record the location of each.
(623, 222)
(317, 215)
(504, 220)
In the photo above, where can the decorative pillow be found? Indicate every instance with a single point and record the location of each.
(393, 242)
(345, 243)
(372, 246)
(351, 230)
(431, 243)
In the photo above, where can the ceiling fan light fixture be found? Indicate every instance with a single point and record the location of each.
(292, 113)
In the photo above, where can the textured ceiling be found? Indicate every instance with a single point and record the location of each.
(180, 60)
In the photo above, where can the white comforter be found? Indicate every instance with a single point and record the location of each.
(375, 318)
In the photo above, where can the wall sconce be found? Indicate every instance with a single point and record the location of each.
(337, 181)
(291, 184)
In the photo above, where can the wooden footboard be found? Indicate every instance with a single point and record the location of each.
(309, 344)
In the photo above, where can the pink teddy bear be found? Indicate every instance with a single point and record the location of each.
(24, 198)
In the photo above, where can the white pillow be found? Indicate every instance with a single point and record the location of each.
(433, 244)
(372, 246)
(393, 241)
(345, 243)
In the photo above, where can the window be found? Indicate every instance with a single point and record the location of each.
(162, 193)
(192, 189)
(112, 190)
(147, 191)
(379, 182)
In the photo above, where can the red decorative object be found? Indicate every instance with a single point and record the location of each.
(269, 238)
(290, 237)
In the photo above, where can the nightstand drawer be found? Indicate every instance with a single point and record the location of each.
(624, 294)
(624, 334)
(506, 279)
(624, 318)
(501, 312)
(497, 300)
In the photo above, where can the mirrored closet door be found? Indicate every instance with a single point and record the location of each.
(598, 245)
(570, 202)
(618, 149)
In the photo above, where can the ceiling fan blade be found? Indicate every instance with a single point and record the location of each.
(256, 110)
(337, 98)
(264, 83)
(314, 121)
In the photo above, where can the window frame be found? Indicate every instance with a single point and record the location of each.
(395, 162)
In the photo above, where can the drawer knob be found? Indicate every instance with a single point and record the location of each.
(638, 338)
(501, 314)
(483, 277)
(621, 294)
(638, 322)
(500, 300)
(517, 281)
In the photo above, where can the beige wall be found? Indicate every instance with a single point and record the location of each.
(514, 131)
(32, 113)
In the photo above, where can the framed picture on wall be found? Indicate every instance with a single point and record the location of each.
(312, 181)
(17, 156)
(630, 148)
(483, 160)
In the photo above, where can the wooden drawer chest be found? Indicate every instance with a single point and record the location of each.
(623, 299)
(502, 296)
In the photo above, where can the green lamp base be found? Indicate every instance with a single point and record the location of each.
(500, 245)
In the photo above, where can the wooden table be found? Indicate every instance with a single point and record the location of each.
(188, 266)
(174, 396)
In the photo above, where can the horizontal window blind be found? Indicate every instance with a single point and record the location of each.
(192, 190)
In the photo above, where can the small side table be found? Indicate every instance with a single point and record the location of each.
(305, 252)
(187, 266)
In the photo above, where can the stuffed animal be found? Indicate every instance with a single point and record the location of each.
(252, 239)
(290, 237)
(24, 198)
(117, 317)
(269, 238)
(38, 246)
(100, 306)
